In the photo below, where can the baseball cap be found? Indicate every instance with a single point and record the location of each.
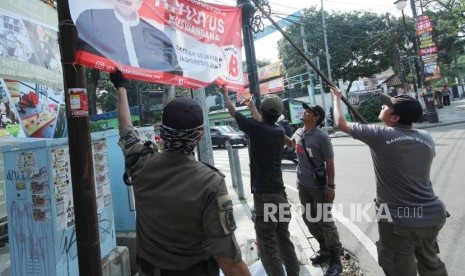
(408, 108)
(182, 113)
(272, 105)
(318, 110)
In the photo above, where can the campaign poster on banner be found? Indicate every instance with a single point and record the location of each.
(180, 42)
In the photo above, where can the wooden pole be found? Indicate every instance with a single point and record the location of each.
(80, 150)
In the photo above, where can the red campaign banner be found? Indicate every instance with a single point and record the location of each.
(180, 42)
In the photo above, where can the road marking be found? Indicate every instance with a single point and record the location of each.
(364, 239)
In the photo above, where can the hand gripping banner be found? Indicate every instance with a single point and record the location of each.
(180, 42)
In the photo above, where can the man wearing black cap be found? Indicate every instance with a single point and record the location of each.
(267, 143)
(412, 215)
(185, 222)
(315, 154)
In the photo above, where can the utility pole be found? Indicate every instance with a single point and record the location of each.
(80, 150)
(204, 150)
(248, 10)
(311, 85)
(397, 54)
(416, 46)
(322, 94)
(328, 62)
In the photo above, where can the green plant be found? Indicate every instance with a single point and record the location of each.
(369, 109)
(98, 125)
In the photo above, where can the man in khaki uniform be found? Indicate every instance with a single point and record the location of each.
(185, 222)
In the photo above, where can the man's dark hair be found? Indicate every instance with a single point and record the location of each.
(268, 117)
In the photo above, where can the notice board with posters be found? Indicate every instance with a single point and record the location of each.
(31, 79)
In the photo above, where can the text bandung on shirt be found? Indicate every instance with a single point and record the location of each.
(410, 138)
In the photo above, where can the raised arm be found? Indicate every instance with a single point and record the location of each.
(124, 115)
(253, 109)
(339, 118)
(231, 108)
(289, 142)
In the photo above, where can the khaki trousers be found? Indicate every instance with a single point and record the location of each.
(408, 250)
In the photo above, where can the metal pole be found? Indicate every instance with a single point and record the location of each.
(311, 85)
(232, 165)
(326, 41)
(416, 45)
(397, 54)
(80, 150)
(248, 10)
(299, 51)
(238, 173)
(204, 149)
(408, 60)
(322, 93)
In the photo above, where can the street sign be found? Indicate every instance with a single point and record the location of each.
(288, 20)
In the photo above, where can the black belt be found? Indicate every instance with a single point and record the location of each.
(204, 268)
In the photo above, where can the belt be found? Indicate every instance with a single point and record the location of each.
(203, 268)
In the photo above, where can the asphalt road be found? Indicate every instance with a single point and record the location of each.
(356, 190)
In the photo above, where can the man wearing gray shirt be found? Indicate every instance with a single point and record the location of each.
(314, 150)
(412, 213)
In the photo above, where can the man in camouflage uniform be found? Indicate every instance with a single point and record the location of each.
(185, 223)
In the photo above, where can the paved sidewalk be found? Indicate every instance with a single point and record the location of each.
(304, 243)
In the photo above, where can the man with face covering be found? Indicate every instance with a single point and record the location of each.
(121, 35)
(185, 222)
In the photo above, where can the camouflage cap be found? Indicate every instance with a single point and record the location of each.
(273, 105)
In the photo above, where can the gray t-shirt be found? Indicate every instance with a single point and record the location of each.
(402, 158)
(319, 147)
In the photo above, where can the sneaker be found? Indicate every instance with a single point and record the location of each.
(333, 269)
(320, 257)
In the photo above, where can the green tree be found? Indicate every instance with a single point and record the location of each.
(358, 44)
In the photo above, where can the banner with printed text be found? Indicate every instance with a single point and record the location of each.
(428, 49)
(180, 42)
(269, 87)
(267, 72)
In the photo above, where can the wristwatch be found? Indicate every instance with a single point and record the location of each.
(332, 187)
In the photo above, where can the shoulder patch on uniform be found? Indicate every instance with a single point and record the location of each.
(214, 168)
(226, 215)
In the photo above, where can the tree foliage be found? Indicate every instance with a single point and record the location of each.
(358, 44)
